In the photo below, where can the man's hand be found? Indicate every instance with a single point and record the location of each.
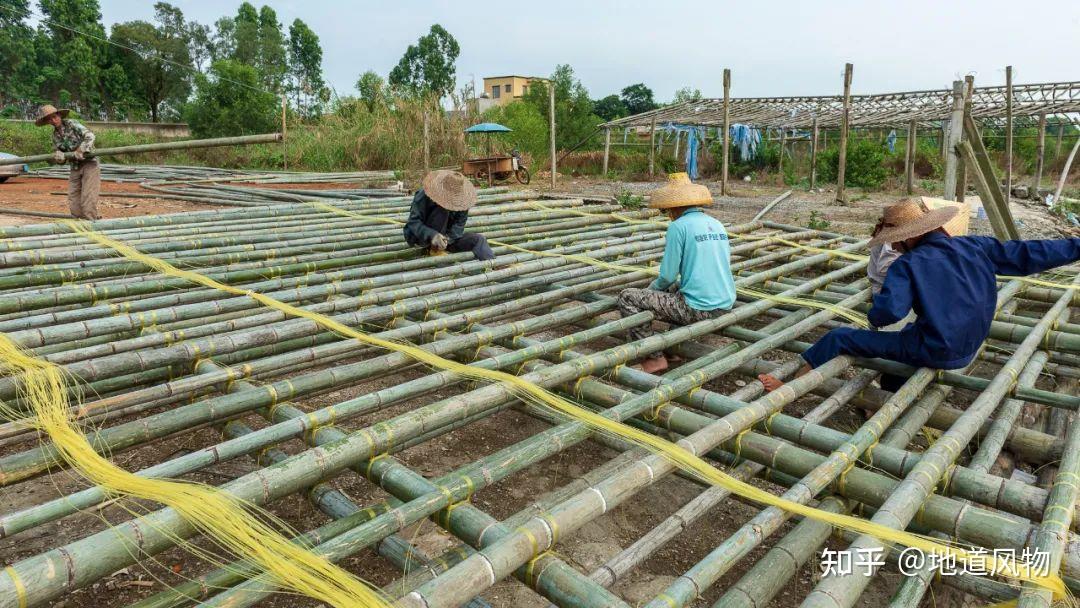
(78, 154)
(439, 242)
(58, 157)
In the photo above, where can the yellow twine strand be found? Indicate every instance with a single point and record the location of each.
(677, 455)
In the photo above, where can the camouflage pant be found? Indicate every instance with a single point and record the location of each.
(84, 184)
(666, 305)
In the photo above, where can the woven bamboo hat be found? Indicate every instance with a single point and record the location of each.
(680, 192)
(909, 219)
(450, 190)
(45, 111)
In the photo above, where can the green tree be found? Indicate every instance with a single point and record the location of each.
(530, 127)
(574, 118)
(638, 98)
(372, 89)
(195, 36)
(244, 43)
(19, 78)
(230, 100)
(610, 107)
(158, 65)
(428, 66)
(687, 94)
(71, 62)
(305, 69)
(273, 62)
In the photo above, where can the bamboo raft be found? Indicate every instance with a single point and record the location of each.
(309, 416)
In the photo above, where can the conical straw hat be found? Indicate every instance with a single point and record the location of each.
(958, 226)
(680, 194)
(909, 219)
(450, 190)
(45, 111)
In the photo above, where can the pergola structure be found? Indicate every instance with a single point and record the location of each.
(997, 106)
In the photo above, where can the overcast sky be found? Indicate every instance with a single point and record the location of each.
(773, 47)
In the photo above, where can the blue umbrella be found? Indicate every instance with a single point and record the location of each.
(488, 127)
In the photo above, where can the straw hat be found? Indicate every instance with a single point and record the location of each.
(45, 111)
(909, 219)
(958, 226)
(680, 192)
(450, 190)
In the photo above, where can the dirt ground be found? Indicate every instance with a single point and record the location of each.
(586, 549)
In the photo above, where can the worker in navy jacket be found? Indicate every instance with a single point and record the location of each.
(438, 215)
(950, 283)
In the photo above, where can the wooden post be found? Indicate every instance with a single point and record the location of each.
(652, 146)
(956, 128)
(909, 159)
(1060, 135)
(727, 134)
(783, 140)
(1008, 131)
(813, 152)
(961, 166)
(678, 136)
(607, 149)
(427, 142)
(551, 128)
(844, 124)
(944, 136)
(284, 136)
(1040, 156)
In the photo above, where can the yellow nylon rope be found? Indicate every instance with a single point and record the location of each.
(223, 518)
(674, 453)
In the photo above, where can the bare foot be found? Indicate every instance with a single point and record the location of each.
(654, 365)
(771, 383)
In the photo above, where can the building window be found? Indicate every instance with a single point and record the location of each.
(495, 90)
(524, 89)
(507, 88)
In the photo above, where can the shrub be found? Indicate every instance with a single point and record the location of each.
(865, 164)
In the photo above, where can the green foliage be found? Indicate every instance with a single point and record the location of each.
(817, 221)
(19, 76)
(71, 62)
(530, 134)
(629, 200)
(865, 164)
(273, 65)
(686, 94)
(229, 101)
(245, 36)
(574, 118)
(428, 67)
(372, 89)
(305, 69)
(158, 72)
(638, 98)
(610, 107)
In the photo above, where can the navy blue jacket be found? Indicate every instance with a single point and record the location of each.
(426, 219)
(950, 283)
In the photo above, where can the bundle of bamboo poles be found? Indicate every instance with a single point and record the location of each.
(178, 380)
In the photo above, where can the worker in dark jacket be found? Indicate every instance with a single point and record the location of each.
(438, 215)
(949, 282)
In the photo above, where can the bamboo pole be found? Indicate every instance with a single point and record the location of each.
(551, 133)
(813, 152)
(243, 140)
(1040, 157)
(952, 156)
(845, 122)
(910, 150)
(726, 138)
(961, 167)
(1008, 131)
(652, 147)
(607, 150)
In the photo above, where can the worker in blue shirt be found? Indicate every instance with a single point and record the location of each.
(695, 280)
(950, 283)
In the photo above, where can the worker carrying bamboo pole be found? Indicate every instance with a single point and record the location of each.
(438, 215)
(950, 283)
(695, 281)
(84, 182)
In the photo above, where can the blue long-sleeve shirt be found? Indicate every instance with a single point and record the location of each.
(426, 219)
(951, 285)
(697, 254)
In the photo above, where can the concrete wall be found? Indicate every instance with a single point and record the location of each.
(157, 129)
(518, 86)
